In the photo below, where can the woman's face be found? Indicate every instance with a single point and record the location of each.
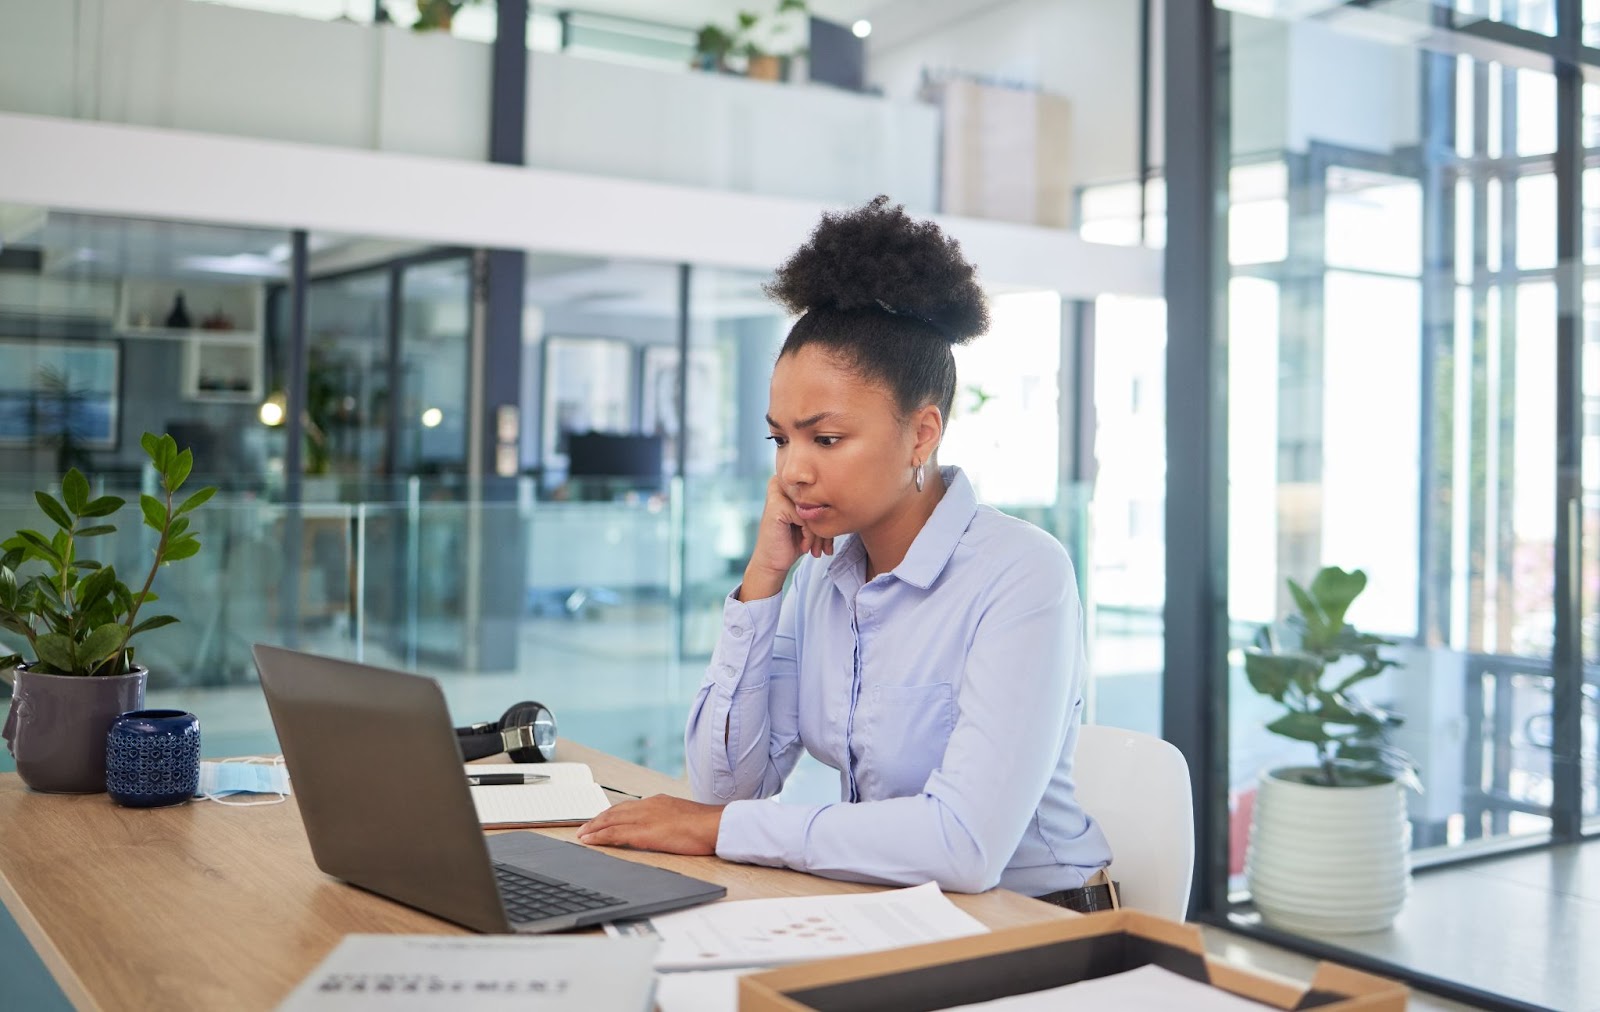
(844, 454)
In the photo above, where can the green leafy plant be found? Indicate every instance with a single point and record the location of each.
(712, 44)
(76, 614)
(1290, 665)
(438, 15)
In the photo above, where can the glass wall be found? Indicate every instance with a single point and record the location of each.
(1392, 366)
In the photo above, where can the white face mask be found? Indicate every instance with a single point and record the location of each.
(249, 775)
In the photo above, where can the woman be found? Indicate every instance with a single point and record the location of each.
(930, 649)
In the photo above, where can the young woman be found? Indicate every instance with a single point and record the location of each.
(930, 649)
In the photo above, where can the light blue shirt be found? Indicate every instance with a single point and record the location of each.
(947, 693)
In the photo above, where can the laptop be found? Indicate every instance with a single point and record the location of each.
(379, 780)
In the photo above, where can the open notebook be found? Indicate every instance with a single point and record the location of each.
(568, 798)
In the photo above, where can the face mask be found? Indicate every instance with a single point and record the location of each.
(250, 775)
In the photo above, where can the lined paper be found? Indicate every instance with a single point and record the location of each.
(569, 797)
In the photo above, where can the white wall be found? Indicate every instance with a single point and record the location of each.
(729, 133)
(1086, 50)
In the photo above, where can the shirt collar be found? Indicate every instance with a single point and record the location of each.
(934, 544)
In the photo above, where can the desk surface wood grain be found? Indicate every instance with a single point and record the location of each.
(208, 906)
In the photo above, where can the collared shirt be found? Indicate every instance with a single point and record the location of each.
(947, 693)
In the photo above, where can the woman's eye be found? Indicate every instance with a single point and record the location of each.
(827, 440)
(778, 439)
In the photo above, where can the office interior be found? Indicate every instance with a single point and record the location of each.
(466, 324)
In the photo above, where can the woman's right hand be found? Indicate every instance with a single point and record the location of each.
(780, 541)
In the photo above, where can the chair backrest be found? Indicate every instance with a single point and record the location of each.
(1136, 786)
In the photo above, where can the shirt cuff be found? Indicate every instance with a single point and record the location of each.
(765, 832)
(746, 626)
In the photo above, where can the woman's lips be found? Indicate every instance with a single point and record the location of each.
(809, 511)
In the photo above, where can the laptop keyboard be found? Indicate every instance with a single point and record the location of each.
(528, 898)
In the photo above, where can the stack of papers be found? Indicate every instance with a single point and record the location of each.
(570, 797)
(396, 973)
(1147, 989)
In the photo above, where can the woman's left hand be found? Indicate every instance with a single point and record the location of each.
(662, 822)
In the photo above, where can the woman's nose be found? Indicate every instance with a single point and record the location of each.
(795, 468)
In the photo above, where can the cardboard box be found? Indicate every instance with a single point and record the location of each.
(1041, 956)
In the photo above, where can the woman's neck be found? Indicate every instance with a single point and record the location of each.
(887, 543)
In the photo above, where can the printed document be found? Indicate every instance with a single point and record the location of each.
(792, 929)
(568, 798)
(1147, 989)
(413, 973)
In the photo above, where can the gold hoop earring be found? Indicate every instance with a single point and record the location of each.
(916, 476)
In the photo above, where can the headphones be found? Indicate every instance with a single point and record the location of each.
(526, 732)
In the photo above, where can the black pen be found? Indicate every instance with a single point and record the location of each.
(504, 779)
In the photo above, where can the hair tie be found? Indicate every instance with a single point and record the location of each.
(908, 314)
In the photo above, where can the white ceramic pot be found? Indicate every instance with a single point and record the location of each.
(1328, 860)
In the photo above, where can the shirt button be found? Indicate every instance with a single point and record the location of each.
(737, 631)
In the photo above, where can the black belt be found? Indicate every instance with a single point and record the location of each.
(1085, 899)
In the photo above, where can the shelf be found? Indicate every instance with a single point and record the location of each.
(222, 370)
(235, 337)
(145, 306)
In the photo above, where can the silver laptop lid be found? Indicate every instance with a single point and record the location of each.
(377, 775)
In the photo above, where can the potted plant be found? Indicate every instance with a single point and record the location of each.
(765, 42)
(712, 44)
(437, 15)
(78, 620)
(1330, 844)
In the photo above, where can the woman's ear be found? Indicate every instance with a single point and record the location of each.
(927, 425)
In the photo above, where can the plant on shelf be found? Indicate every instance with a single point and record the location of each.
(1291, 665)
(712, 44)
(1330, 843)
(764, 43)
(78, 620)
(438, 15)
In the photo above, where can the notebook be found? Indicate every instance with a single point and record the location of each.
(569, 798)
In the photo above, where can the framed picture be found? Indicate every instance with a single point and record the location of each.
(53, 390)
(588, 387)
(709, 403)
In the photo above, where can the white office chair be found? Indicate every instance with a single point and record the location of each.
(1136, 786)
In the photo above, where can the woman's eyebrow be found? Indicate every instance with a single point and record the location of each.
(805, 423)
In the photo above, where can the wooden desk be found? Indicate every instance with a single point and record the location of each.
(206, 906)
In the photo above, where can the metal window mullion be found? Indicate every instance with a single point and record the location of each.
(1195, 642)
(1566, 812)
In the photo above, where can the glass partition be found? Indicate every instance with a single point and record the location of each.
(1392, 375)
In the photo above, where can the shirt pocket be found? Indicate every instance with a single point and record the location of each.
(904, 735)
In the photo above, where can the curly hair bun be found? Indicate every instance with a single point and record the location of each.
(878, 257)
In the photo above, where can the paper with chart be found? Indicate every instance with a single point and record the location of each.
(568, 798)
(796, 928)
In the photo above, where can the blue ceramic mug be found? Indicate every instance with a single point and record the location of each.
(153, 758)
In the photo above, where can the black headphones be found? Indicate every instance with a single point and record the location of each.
(526, 732)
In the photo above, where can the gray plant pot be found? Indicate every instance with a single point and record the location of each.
(56, 728)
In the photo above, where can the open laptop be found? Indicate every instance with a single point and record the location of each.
(379, 780)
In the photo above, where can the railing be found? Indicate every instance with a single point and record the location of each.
(603, 610)
(218, 69)
(1509, 745)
